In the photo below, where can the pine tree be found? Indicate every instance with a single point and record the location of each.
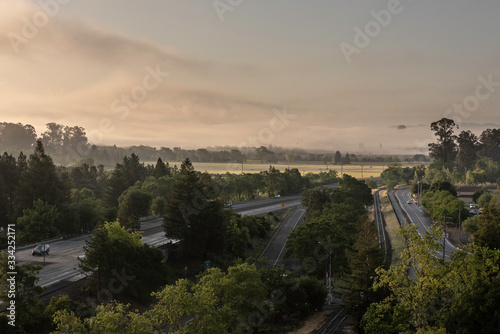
(337, 158)
(161, 169)
(192, 216)
(40, 181)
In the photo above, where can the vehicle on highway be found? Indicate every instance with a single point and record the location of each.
(40, 250)
(409, 201)
(228, 204)
(277, 196)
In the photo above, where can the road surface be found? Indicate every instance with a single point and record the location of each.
(276, 248)
(418, 218)
(59, 268)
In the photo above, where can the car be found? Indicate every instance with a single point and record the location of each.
(409, 201)
(277, 196)
(40, 250)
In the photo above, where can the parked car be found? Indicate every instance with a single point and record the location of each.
(40, 250)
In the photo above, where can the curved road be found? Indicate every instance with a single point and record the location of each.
(418, 218)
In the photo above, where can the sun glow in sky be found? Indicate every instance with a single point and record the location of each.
(204, 73)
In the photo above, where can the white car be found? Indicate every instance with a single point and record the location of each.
(409, 201)
(277, 196)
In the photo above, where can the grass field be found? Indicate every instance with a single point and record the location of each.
(356, 170)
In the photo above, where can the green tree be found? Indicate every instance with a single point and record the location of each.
(37, 223)
(29, 310)
(445, 150)
(218, 303)
(133, 204)
(111, 318)
(193, 215)
(484, 199)
(161, 169)
(314, 242)
(89, 209)
(488, 233)
(40, 181)
(459, 296)
(468, 147)
(123, 176)
(365, 257)
(490, 144)
(113, 252)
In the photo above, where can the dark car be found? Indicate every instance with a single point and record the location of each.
(40, 250)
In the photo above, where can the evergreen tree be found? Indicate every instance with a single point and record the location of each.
(40, 181)
(161, 169)
(193, 216)
(337, 159)
(124, 176)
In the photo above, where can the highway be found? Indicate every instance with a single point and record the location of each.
(276, 247)
(60, 267)
(418, 218)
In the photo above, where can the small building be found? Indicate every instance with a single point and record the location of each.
(465, 193)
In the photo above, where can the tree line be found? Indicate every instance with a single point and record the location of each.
(70, 145)
(473, 159)
(48, 200)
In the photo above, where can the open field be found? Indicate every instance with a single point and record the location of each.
(364, 170)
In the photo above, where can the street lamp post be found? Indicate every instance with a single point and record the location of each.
(444, 236)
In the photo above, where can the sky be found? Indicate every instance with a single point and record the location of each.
(325, 75)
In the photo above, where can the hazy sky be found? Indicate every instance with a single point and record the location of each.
(285, 72)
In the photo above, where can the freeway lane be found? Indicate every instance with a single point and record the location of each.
(261, 206)
(60, 267)
(420, 219)
(61, 263)
(276, 248)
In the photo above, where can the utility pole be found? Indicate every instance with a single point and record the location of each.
(460, 224)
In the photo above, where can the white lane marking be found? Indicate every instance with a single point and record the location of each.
(282, 248)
